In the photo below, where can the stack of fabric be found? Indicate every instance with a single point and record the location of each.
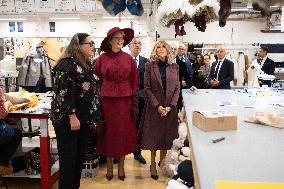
(19, 100)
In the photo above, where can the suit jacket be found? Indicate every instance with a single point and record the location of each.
(141, 70)
(153, 85)
(185, 71)
(226, 74)
(268, 68)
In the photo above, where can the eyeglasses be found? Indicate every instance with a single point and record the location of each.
(137, 43)
(181, 48)
(90, 43)
(118, 38)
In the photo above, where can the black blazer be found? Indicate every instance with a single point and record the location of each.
(183, 72)
(268, 68)
(226, 74)
(141, 70)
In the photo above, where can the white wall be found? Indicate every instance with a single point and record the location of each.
(68, 28)
(243, 31)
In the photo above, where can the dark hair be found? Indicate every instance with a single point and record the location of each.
(264, 48)
(199, 54)
(82, 37)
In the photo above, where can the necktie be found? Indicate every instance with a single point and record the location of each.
(217, 69)
(260, 61)
(136, 61)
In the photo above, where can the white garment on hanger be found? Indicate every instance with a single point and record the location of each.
(240, 69)
(253, 72)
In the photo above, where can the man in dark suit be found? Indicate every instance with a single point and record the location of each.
(185, 72)
(222, 71)
(135, 49)
(267, 65)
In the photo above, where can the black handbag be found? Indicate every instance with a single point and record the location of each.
(99, 128)
(40, 85)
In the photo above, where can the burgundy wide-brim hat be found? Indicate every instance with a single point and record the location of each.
(129, 34)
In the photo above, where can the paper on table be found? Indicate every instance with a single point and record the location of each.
(216, 113)
(226, 103)
(247, 185)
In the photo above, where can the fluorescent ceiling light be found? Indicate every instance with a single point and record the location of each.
(64, 18)
(275, 6)
(13, 19)
(111, 17)
(240, 9)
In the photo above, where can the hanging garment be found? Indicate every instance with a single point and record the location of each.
(135, 7)
(240, 69)
(31, 70)
(252, 73)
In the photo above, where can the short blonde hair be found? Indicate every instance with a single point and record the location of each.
(154, 57)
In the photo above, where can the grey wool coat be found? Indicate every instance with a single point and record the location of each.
(30, 72)
(156, 132)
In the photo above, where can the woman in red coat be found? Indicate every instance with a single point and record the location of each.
(159, 125)
(119, 91)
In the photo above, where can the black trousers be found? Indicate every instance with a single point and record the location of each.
(10, 138)
(141, 103)
(71, 149)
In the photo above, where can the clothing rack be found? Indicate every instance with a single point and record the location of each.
(228, 48)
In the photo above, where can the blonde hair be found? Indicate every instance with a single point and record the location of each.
(73, 50)
(154, 57)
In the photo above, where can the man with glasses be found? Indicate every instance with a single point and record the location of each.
(135, 49)
(174, 49)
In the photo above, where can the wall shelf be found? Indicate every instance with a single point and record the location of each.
(271, 31)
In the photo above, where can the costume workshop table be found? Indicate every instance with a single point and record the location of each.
(48, 174)
(251, 153)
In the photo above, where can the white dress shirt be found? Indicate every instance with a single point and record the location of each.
(221, 63)
(137, 60)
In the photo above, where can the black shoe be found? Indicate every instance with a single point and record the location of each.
(140, 158)
(102, 159)
(155, 177)
(159, 164)
(109, 177)
(115, 160)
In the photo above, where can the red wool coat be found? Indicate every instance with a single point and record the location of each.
(119, 75)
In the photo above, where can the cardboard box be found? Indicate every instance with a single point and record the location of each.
(214, 120)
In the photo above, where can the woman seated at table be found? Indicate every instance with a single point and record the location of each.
(10, 136)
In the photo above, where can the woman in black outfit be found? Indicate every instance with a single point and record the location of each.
(74, 107)
(199, 61)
